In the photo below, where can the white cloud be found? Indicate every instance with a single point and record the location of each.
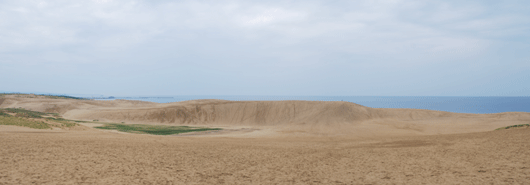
(102, 1)
(376, 26)
(294, 35)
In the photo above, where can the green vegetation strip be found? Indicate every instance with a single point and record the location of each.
(154, 129)
(21, 112)
(9, 120)
(64, 122)
(25, 113)
(4, 114)
(514, 126)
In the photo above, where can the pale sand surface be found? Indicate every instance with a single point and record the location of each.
(287, 142)
(95, 157)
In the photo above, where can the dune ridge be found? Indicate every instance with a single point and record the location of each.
(304, 116)
(265, 142)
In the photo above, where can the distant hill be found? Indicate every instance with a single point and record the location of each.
(46, 95)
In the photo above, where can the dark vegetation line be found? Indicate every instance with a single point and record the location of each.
(49, 96)
(154, 129)
(514, 126)
(4, 114)
(21, 118)
(20, 112)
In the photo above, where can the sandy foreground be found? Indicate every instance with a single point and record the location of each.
(358, 145)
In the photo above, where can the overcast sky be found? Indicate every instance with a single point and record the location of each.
(310, 47)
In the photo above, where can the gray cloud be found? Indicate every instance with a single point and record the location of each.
(399, 44)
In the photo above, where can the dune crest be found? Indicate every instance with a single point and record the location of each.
(298, 116)
(248, 113)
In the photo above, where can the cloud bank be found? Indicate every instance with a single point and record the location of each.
(366, 47)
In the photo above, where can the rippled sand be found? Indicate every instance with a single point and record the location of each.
(96, 157)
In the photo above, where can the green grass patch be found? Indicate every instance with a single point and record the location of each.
(20, 112)
(78, 121)
(514, 126)
(63, 122)
(23, 113)
(68, 124)
(2, 113)
(153, 129)
(9, 120)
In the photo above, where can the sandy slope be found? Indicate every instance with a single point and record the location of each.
(95, 157)
(287, 142)
(303, 117)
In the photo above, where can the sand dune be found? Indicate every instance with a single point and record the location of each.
(274, 142)
(95, 157)
(311, 117)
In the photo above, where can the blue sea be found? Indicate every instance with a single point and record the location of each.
(478, 105)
